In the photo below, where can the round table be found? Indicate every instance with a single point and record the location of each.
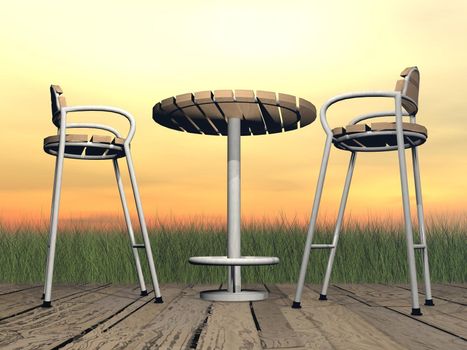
(234, 114)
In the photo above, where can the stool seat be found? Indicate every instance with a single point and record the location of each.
(379, 136)
(85, 147)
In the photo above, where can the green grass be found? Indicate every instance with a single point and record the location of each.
(372, 252)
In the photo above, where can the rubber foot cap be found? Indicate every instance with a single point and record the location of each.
(296, 305)
(43, 296)
(144, 293)
(323, 297)
(158, 300)
(416, 312)
(46, 304)
(429, 302)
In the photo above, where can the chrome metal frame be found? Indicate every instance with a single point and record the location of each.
(234, 260)
(60, 155)
(398, 113)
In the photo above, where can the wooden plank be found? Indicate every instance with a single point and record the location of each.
(400, 84)
(336, 295)
(288, 107)
(270, 111)
(406, 331)
(443, 292)
(186, 103)
(169, 107)
(103, 336)
(12, 304)
(246, 101)
(229, 326)
(276, 331)
(225, 100)
(97, 151)
(171, 328)
(205, 102)
(391, 126)
(338, 132)
(356, 128)
(309, 331)
(51, 327)
(101, 139)
(57, 89)
(402, 329)
(69, 140)
(341, 327)
(163, 119)
(307, 111)
(450, 317)
(379, 298)
(456, 285)
(230, 109)
(9, 288)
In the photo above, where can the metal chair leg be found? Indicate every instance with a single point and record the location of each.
(130, 228)
(421, 224)
(340, 216)
(406, 206)
(50, 220)
(144, 231)
(54, 221)
(311, 228)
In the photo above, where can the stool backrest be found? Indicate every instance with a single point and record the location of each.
(409, 86)
(57, 102)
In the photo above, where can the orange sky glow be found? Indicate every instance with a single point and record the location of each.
(134, 54)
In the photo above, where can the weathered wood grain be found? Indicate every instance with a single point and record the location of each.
(103, 335)
(407, 331)
(306, 329)
(402, 329)
(375, 296)
(229, 326)
(276, 332)
(50, 327)
(115, 317)
(447, 316)
(441, 291)
(456, 285)
(11, 304)
(341, 327)
(337, 295)
(13, 288)
(171, 328)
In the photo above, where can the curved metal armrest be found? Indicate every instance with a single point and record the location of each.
(348, 96)
(109, 109)
(376, 115)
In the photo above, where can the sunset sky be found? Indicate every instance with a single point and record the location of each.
(133, 54)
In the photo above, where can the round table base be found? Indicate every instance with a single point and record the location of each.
(224, 295)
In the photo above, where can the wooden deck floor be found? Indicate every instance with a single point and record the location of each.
(116, 317)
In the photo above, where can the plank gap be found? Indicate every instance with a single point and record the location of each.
(255, 319)
(95, 325)
(127, 315)
(18, 290)
(437, 297)
(416, 318)
(200, 328)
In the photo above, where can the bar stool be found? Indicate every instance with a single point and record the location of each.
(377, 137)
(97, 147)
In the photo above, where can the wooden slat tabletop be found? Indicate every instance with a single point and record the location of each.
(355, 316)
